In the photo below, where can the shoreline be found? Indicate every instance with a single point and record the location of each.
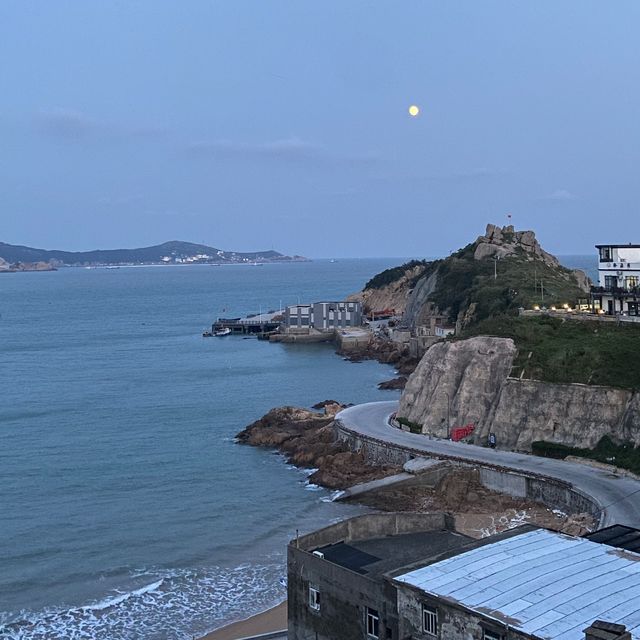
(267, 621)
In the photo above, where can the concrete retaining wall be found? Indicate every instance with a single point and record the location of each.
(551, 492)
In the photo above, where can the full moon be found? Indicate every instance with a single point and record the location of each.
(414, 110)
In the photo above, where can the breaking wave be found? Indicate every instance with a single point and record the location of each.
(169, 604)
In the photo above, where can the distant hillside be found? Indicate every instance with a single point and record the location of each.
(173, 252)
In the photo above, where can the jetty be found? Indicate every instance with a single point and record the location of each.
(259, 323)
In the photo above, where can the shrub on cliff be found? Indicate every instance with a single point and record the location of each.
(623, 455)
(395, 273)
(557, 350)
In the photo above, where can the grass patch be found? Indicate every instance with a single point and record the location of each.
(624, 455)
(556, 350)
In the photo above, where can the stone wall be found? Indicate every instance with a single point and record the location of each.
(551, 492)
(574, 414)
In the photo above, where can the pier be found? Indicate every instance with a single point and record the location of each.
(257, 324)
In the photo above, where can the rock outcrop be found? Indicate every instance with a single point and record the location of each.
(308, 440)
(577, 415)
(391, 296)
(418, 308)
(471, 378)
(457, 380)
(501, 242)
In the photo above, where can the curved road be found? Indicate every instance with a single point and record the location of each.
(619, 496)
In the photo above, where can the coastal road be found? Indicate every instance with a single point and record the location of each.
(619, 496)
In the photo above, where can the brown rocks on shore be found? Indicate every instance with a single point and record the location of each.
(307, 439)
(386, 352)
(394, 383)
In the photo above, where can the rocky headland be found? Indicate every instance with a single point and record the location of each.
(499, 272)
(307, 439)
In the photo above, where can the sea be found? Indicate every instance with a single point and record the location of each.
(127, 509)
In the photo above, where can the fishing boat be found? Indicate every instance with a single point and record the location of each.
(219, 333)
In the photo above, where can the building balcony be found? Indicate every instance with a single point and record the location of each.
(616, 291)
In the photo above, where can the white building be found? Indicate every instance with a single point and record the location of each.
(324, 315)
(618, 290)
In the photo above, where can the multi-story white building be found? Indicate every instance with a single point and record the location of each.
(324, 316)
(618, 290)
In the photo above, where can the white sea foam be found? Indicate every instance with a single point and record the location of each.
(177, 604)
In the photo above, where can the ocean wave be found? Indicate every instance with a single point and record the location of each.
(169, 604)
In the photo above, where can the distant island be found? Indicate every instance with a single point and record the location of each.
(19, 258)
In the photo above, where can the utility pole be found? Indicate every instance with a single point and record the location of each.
(446, 393)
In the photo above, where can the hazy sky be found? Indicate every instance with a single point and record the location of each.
(275, 124)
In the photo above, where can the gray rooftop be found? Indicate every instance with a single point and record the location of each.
(378, 556)
(546, 584)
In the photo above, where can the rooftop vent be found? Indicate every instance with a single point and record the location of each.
(601, 630)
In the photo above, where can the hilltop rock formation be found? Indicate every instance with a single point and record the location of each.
(499, 272)
(472, 377)
(502, 242)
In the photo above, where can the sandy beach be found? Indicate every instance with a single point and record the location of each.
(273, 619)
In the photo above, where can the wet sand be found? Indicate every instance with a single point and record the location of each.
(270, 620)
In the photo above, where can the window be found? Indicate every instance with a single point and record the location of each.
(631, 281)
(314, 598)
(429, 620)
(605, 254)
(373, 623)
(610, 282)
(491, 635)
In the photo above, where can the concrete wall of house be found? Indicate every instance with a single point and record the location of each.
(344, 599)
(454, 623)
(374, 525)
(344, 594)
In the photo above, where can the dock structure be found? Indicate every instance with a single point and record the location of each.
(258, 324)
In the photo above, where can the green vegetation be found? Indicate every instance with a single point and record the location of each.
(625, 455)
(395, 273)
(501, 286)
(414, 427)
(557, 350)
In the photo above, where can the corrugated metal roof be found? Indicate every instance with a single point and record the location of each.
(547, 584)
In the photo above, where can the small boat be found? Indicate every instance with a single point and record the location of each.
(222, 332)
(207, 334)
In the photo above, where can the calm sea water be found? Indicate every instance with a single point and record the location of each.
(126, 508)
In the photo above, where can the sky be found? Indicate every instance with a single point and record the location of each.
(251, 125)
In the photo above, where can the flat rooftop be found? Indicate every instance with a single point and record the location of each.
(378, 556)
(546, 584)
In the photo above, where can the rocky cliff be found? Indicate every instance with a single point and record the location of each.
(393, 295)
(472, 377)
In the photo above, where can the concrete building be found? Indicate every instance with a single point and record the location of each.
(323, 316)
(413, 577)
(618, 290)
